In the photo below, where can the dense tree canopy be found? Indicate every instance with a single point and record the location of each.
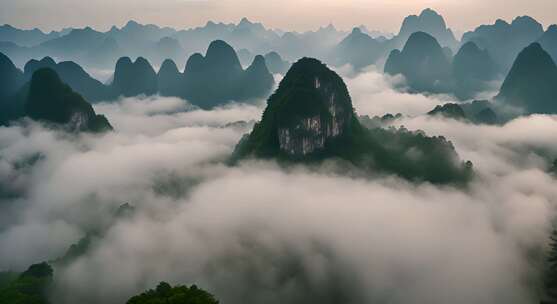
(166, 294)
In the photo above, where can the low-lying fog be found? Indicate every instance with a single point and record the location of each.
(256, 233)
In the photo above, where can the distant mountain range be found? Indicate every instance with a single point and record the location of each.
(207, 81)
(425, 51)
(360, 47)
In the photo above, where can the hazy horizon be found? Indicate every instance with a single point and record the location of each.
(301, 15)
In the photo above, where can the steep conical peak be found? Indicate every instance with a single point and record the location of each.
(51, 100)
(531, 82)
(220, 52)
(310, 107)
(123, 62)
(258, 63)
(194, 63)
(420, 40)
(169, 66)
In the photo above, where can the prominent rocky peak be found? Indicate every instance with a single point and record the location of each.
(50, 100)
(222, 56)
(310, 118)
(311, 107)
(531, 82)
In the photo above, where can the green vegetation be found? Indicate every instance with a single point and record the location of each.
(411, 155)
(165, 294)
(29, 287)
(50, 100)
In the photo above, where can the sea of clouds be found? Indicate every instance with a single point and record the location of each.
(260, 233)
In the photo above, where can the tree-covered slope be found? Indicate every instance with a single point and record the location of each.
(310, 118)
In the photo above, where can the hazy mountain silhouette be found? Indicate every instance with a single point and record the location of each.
(104, 55)
(50, 100)
(27, 38)
(549, 41)
(310, 117)
(429, 21)
(11, 80)
(134, 78)
(257, 80)
(472, 68)
(169, 79)
(73, 45)
(218, 77)
(359, 50)
(73, 75)
(532, 82)
(422, 62)
(503, 40)
(276, 64)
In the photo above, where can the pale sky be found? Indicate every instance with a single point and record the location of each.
(383, 15)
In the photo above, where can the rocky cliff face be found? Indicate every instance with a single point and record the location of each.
(310, 108)
(310, 133)
(310, 118)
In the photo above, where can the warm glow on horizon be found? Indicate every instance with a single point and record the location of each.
(385, 15)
